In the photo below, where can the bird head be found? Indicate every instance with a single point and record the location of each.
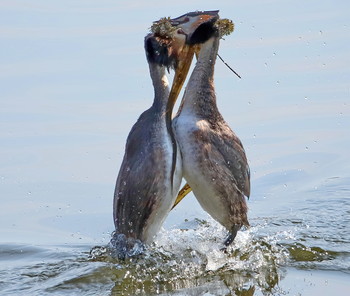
(172, 43)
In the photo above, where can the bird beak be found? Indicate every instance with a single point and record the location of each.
(181, 71)
(187, 25)
(190, 22)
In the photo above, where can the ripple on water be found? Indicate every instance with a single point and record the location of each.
(184, 260)
(189, 259)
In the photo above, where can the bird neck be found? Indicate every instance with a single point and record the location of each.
(161, 87)
(199, 95)
(162, 107)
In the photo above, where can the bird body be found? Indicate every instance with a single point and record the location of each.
(151, 171)
(214, 161)
(148, 181)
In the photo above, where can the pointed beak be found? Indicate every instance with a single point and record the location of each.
(181, 71)
(187, 25)
(190, 22)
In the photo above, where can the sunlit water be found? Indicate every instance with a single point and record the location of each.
(187, 259)
(74, 80)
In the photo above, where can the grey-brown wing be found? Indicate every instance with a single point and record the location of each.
(140, 182)
(233, 156)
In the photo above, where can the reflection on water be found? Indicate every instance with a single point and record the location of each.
(183, 261)
(190, 259)
(186, 259)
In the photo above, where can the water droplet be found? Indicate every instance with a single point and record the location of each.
(320, 32)
(306, 98)
(278, 82)
(265, 64)
(127, 169)
(124, 183)
(274, 54)
(306, 148)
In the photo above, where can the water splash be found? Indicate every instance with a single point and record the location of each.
(190, 256)
(189, 259)
(185, 260)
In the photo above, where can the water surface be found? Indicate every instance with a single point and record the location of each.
(74, 79)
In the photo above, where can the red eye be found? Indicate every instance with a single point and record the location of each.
(180, 31)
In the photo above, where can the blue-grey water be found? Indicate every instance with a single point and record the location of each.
(74, 79)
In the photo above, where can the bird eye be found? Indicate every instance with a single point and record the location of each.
(180, 31)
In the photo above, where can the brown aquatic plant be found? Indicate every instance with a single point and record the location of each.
(165, 31)
(225, 26)
(163, 28)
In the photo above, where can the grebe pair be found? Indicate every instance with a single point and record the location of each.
(197, 144)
